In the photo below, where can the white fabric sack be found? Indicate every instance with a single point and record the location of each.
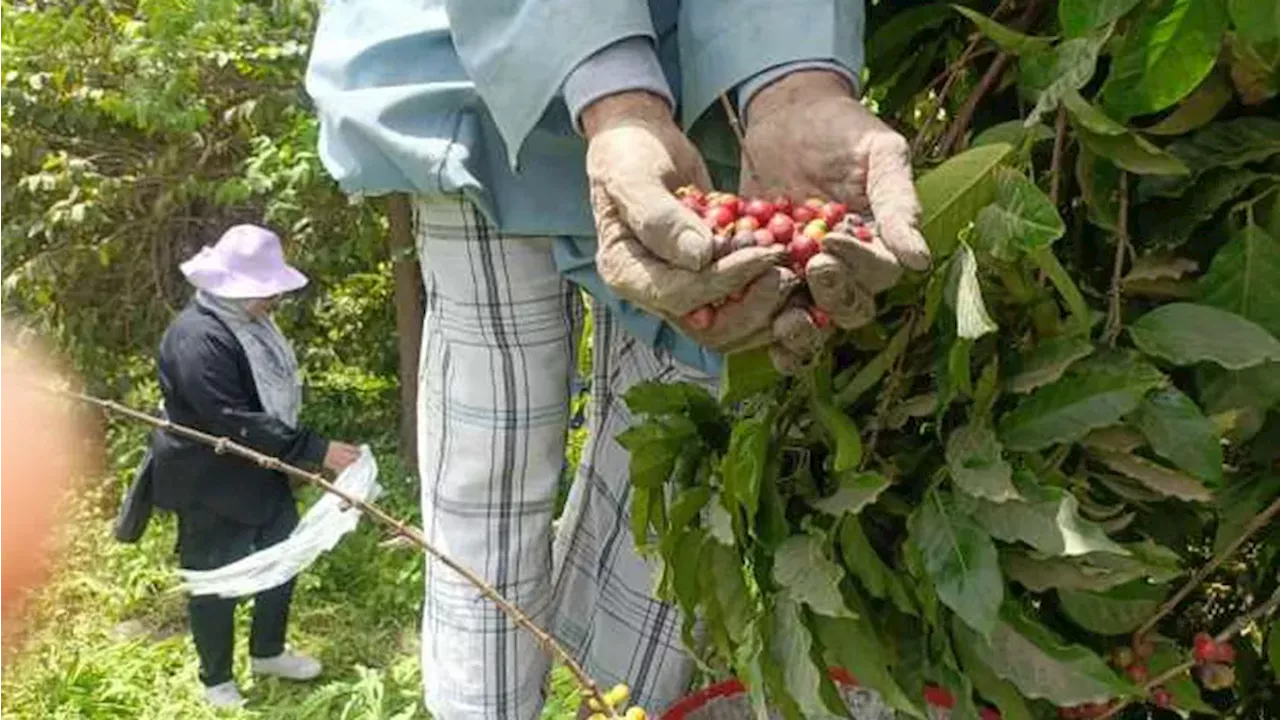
(319, 530)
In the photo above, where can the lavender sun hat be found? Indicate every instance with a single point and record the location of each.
(247, 262)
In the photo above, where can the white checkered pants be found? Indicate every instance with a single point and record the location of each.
(493, 409)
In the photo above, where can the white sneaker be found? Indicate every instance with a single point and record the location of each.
(288, 665)
(226, 695)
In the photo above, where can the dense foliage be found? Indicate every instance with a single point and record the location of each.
(136, 132)
(993, 486)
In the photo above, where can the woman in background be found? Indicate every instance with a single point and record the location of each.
(226, 369)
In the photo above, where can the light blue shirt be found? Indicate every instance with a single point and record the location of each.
(441, 97)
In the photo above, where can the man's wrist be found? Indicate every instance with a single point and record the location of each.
(748, 89)
(798, 88)
(634, 104)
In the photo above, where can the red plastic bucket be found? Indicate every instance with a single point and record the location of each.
(728, 701)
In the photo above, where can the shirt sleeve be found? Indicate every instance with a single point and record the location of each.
(518, 53)
(724, 43)
(627, 65)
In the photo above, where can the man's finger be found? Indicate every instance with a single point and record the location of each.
(661, 222)
(872, 264)
(739, 319)
(639, 277)
(796, 331)
(834, 290)
(893, 200)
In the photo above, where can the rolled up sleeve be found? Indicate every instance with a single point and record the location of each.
(725, 43)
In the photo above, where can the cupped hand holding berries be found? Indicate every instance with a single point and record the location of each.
(808, 136)
(655, 251)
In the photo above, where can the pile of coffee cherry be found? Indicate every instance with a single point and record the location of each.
(738, 223)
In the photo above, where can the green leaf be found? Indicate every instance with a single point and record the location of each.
(1257, 387)
(1074, 62)
(1013, 132)
(1099, 180)
(1244, 278)
(1117, 611)
(1181, 434)
(976, 462)
(1094, 394)
(802, 568)
(952, 194)
(990, 686)
(748, 373)
(1133, 153)
(653, 447)
(864, 563)
(682, 556)
(1230, 143)
(1007, 38)
(1042, 666)
(744, 463)
(1237, 505)
(1174, 222)
(719, 522)
(1021, 217)
(842, 429)
(1047, 362)
(640, 516)
(897, 36)
(855, 492)
(1047, 518)
(1257, 20)
(1078, 17)
(658, 398)
(1164, 56)
(1158, 478)
(854, 645)
(1273, 647)
(972, 320)
(1197, 109)
(1039, 572)
(722, 581)
(791, 646)
(1089, 117)
(961, 560)
(1187, 333)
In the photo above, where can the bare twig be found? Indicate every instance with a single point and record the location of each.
(952, 139)
(1235, 628)
(889, 395)
(1055, 165)
(1116, 290)
(373, 512)
(1258, 522)
(736, 124)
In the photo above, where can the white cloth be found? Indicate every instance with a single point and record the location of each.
(320, 529)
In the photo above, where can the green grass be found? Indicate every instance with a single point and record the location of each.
(107, 636)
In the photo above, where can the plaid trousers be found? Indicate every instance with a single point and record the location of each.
(493, 410)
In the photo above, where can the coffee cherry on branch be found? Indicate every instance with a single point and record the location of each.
(1215, 676)
(1161, 698)
(1137, 672)
(939, 696)
(989, 713)
(1224, 652)
(1144, 648)
(1203, 647)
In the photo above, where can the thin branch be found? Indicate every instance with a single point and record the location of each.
(889, 395)
(1235, 628)
(1115, 293)
(740, 134)
(373, 512)
(1059, 146)
(952, 139)
(1258, 522)
(952, 73)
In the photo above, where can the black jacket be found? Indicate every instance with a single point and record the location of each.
(207, 385)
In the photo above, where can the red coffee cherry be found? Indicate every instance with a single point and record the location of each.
(782, 227)
(764, 237)
(759, 209)
(1161, 698)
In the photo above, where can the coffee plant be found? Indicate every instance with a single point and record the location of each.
(1044, 480)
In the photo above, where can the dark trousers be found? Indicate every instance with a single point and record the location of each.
(207, 541)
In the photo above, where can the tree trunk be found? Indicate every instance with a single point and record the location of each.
(409, 313)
